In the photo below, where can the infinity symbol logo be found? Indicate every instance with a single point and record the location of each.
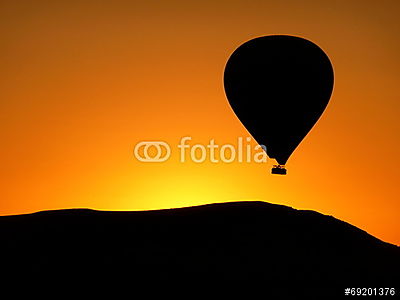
(158, 157)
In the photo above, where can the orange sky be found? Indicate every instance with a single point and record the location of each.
(81, 82)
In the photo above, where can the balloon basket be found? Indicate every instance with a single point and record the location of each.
(278, 169)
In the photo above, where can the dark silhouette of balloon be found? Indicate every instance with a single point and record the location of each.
(278, 86)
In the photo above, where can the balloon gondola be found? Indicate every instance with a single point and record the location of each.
(279, 169)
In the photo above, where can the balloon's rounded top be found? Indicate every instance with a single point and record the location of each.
(278, 86)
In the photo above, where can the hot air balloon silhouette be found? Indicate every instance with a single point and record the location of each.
(278, 86)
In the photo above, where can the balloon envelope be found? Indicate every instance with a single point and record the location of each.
(278, 86)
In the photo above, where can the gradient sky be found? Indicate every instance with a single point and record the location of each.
(81, 82)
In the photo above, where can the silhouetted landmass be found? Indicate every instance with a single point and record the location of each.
(255, 243)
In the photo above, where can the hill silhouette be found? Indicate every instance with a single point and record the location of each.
(239, 242)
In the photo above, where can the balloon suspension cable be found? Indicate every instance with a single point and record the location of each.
(279, 169)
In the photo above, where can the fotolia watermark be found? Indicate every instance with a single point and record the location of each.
(160, 151)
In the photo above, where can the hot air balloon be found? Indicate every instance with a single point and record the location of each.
(278, 86)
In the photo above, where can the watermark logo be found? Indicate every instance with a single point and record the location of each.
(159, 151)
(143, 149)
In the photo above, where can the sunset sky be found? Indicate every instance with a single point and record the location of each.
(82, 82)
